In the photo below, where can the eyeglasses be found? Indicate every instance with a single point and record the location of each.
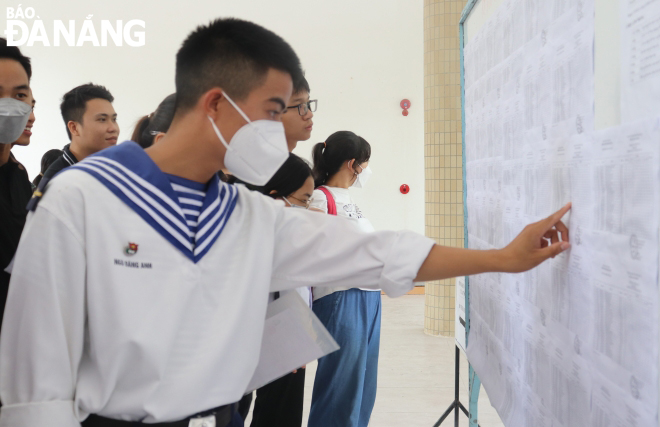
(304, 202)
(305, 107)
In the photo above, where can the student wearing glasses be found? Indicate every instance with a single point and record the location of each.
(281, 402)
(297, 120)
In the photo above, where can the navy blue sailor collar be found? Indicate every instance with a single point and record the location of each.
(131, 175)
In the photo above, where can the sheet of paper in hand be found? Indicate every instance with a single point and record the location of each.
(293, 336)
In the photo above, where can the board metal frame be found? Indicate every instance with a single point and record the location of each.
(474, 381)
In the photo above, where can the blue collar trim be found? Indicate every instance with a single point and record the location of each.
(131, 175)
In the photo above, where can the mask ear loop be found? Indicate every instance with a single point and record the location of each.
(217, 132)
(355, 174)
(233, 104)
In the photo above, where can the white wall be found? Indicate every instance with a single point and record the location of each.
(361, 57)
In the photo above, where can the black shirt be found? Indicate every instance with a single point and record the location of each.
(15, 192)
(64, 161)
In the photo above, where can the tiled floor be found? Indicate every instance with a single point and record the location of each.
(415, 372)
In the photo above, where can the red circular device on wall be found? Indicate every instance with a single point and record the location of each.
(404, 112)
(405, 189)
(405, 104)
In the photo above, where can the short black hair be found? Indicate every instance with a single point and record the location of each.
(74, 102)
(300, 85)
(13, 52)
(232, 54)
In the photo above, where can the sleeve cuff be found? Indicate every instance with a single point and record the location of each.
(58, 413)
(408, 253)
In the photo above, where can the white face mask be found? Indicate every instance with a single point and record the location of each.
(256, 151)
(14, 115)
(362, 177)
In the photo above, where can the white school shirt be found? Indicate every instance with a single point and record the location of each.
(346, 208)
(107, 313)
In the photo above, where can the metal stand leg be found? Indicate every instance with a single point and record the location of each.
(456, 405)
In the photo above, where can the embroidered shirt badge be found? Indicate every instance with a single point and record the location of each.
(131, 249)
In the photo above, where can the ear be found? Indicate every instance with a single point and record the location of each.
(73, 128)
(272, 192)
(210, 102)
(351, 164)
(158, 137)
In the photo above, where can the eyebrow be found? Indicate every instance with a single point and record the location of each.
(105, 115)
(20, 87)
(278, 101)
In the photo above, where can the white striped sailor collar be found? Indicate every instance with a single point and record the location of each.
(131, 175)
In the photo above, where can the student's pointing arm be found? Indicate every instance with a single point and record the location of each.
(526, 251)
(322, 250)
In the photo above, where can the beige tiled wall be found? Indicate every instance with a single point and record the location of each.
(442, 149)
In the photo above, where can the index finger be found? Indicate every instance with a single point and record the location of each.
(556, 217)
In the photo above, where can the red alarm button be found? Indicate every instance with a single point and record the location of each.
(405, 189)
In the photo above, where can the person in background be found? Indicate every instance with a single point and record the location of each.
(345, 384)
(152, 127)
(280, 403)
(297, 119)
(46, 160)
(91, 123)
(24, 139)
(16, 119)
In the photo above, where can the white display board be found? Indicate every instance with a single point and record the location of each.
(459, 312)
(573, 342)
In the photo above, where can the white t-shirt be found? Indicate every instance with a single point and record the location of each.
(346, 208)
